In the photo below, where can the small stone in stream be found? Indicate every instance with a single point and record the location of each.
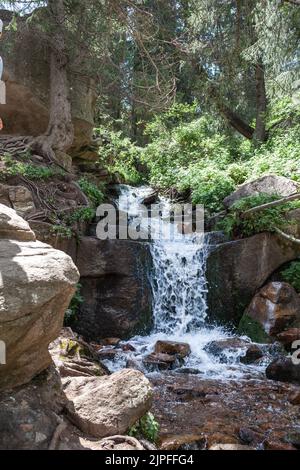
(173, 348)
(226, 346)
(110, 341)
(273, 445)
(229, 447)
(253, 353)
(289, 336)
(128, 348)
(109, 353)
(283, 369)
(294, 398)
(160, 360)
(187, 370)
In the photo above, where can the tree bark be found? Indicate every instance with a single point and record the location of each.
(60, 132)
(260, 133)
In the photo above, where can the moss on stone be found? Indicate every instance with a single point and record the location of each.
(253, 330)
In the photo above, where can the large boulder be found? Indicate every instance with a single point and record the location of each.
(36, 286)
(27, 78)
(107, 406)
(237, 269)
(275, 307)
(269, 184)
(115, 287)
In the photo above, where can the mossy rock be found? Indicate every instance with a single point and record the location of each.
(253, 329)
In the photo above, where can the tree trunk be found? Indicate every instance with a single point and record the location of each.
(60, 132)
(260, 133)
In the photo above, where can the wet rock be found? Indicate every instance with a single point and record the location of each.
(128, 348)
(105, 406)
(249, 436)
(294, 398)
(226, 347)
(288, 337)
(151, 199)
(283, 369)
(269, 184)
(253, 353)
(275, 307)
(160, 360)
(181, 350)
(235, 447)
(107, 353)
(116, 288)
(237, 269)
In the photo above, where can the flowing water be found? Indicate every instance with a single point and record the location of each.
(179, 295)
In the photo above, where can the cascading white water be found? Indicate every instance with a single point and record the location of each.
(179, 294)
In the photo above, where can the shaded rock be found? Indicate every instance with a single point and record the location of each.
(116, 288)
(275, 307)
(253, 353)
(36, 286)
(269, 184)
(283, 369)
(184, 442)
(293, 438)
(249, 436)
(173, 348)
(151, 199)
(288, 337)
(294, 398)
(18, 198)
(104, 406)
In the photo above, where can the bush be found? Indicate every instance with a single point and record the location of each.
(292, 275)
(266, 220)
(146, 427)
(93, 192)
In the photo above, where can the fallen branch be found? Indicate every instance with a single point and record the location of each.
(269, 205)
(290, 238)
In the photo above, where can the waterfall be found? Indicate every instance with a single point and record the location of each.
(179, 289)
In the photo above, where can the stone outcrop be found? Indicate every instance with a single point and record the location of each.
(27, 78)
(115, 286)
(106, 406)
(269, 184)
(237, 269)
(275, 307)
(18, 198)
(36, 285)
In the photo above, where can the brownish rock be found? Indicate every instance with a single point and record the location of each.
(275, 307)
(294, 398)
(173, 348)
(253, 353)
(273, 445)
(289, 336)
(160, 360)
(284, 370)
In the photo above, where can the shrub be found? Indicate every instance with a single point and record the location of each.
(292, 275)
(93, 192)
(146, 427)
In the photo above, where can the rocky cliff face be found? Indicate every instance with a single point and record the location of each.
(36, 286)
